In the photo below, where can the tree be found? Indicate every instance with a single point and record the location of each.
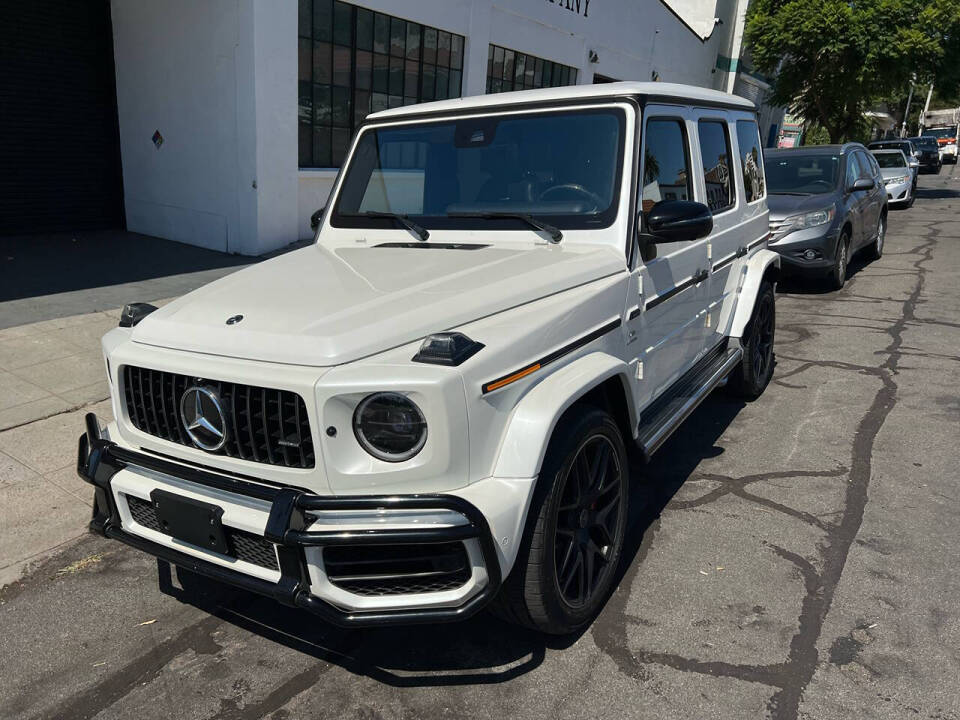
(831, 59)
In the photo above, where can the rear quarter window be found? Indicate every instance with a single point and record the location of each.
(751, 160)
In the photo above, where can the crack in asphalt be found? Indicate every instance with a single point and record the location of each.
(791, 677)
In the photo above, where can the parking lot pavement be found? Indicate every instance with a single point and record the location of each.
(788, 558)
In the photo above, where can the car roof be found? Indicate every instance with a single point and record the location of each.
(665, 92)
(898, 141)
(879, 151)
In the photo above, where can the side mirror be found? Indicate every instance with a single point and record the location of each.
(862, 184)
(315, 219)
(678, 221)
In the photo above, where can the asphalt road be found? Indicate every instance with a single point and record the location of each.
(790, 558)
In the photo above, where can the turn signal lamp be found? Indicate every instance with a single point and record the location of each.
(447, 348)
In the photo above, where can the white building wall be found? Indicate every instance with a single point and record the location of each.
(218, 78)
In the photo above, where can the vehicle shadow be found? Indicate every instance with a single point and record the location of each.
(798, 285)
(936, 193)
(482, 649)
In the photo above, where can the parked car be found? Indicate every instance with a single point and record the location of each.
(826, 203)
(943, 125)
(908, 149)
(428, 409)
(897, 178)
(928, 153)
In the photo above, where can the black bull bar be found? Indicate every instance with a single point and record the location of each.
(98, 460)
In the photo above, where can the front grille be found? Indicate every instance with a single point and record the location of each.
(244, 546)
(397, 569)
(263, 425)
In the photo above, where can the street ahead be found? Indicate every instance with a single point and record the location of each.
(790, 558)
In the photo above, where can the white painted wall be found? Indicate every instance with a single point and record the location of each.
(218, 78)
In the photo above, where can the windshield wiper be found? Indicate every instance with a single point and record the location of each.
(530, 220)
(409, 224)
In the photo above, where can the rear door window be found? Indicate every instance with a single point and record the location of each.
(715, 153)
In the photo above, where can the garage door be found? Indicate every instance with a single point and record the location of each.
(59, 145)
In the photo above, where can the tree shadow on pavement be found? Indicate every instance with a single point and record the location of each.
(482, 649)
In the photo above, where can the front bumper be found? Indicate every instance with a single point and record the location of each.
(100, 461)
(792, 249)
(899, 193)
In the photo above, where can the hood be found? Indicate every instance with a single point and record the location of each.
(321, 306)
(894, 172)
(782, 206)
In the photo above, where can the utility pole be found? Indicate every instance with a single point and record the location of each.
(906, 114)
(926, 107)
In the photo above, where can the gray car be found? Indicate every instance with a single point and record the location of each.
(826, 203)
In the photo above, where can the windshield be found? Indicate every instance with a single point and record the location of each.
(947, 132)
(562, 166)
(925, 143)
(802, 174)
(890, 159)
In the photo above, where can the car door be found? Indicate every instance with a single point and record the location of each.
(738, 230)
(665, 314)
(871, 200)
(855, 199)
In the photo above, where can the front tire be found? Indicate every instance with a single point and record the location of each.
(838, 274)
(572, 543)
(750, 378)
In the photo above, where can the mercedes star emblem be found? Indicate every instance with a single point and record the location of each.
(202, 416)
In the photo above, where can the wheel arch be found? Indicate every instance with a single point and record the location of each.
(597, 379)
(764, 265)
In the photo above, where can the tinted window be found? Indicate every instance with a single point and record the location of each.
(853, 169)
(801, 173)
(866, 164)
(666, 164)
(715, 153)
(748, 140)
(564, 166)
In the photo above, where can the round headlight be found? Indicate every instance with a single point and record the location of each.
(390, 426)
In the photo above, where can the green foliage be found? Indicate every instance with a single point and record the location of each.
(832, 59)
(816, 135)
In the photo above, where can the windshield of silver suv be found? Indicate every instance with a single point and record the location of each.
(802, 174)
(494, 172)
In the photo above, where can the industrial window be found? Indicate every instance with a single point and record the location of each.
(748, 139)
(353, 61)
(715, 153)
(511, 70)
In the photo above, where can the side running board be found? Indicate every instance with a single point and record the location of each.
(664, 415)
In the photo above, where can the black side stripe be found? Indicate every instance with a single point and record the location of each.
(761, 241)
(698, 278)
(559, 353)
(741, 251)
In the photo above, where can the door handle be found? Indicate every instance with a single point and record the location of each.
(741, 251)
(701, 276)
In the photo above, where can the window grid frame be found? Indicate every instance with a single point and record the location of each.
(533, 66)
(308, 158)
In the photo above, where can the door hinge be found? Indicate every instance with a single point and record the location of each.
(708, 320)
(640, 370)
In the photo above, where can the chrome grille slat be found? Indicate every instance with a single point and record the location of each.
(258, 418)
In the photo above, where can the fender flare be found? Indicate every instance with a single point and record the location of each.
(756, 269)
(534, 418)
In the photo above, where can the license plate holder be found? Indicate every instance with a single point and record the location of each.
(192, 521)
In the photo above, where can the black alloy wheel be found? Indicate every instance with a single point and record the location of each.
(750, 378)
(569, 554)
(586, 525)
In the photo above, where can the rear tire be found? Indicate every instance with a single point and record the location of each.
(571, 546)
(750, 378)
(838, 274)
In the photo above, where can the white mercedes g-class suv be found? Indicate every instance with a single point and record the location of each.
(428, 408)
